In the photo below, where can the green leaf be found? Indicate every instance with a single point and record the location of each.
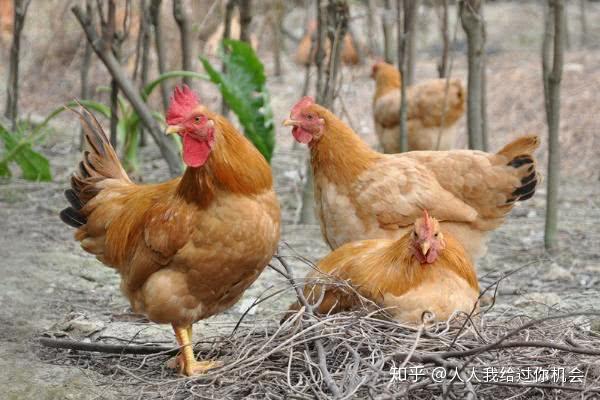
(34, 166)
(243, 88)
(170, 75)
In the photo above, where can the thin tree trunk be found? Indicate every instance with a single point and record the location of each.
(552, 73)
(12, 86)
(338, 15)
(245, 7)
(307, 213)
(444, 27)
(473, 25)
(387, 32)
(167, 147)
(113, 39)
(160, 50)
(146, 26)
(277, 39)
(332, 18)
(372, 40)
(583, 22)
(320, 47)
(182, 19)
(411, 8)
(226, 35)
(85, 66)
(402, 61)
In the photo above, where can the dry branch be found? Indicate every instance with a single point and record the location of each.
(167, 147)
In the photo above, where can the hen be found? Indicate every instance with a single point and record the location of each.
(188, 248)
(305, 54)
(424, 270)
(428, 118)
(362, 194)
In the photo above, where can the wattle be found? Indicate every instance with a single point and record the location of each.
(301, 135)
(195, 152)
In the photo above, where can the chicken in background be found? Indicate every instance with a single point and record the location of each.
(363, 194)
(427, 116)
(425, 270)
(188, 248)
(304, 55)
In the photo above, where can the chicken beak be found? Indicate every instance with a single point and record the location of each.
(171, 129)
(425, 246)
(291, 122)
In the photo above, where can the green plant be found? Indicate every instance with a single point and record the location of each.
(243, 87)
(18, 148)
(129, 121)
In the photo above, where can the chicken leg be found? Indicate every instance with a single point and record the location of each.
(188, 364)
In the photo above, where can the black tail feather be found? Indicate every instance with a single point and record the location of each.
(72, 217)
(73, 199)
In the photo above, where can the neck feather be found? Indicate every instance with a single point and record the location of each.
(387, 81)
(234, 166)
(339, 153)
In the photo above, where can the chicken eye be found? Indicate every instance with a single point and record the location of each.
(309, 116)
(436, 234)
(197, 120)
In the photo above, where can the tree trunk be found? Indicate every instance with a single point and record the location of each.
(402, 61)
(473, 25)
(160, 50)
(104, 52)
(277, 39)
(583, 22)
(552, 74)
(411, 8)
(443, 64)
(320, 47)
(337, 15)
(387, 32)
(85, 66)
(145, 28)
(245, 7)
(182, 19)
(12, 86)
(371, 35)
(226, 35)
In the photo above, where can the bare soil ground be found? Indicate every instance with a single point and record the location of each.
(49, 285)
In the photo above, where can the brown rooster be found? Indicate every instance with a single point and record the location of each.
(432, 114)
(362, 194)
(188, 248)
(424, 270)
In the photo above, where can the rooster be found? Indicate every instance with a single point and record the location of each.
(429, 118)
(188, 248)
(362, 194)
(424, 270)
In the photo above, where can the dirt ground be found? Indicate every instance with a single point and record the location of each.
(50, 286)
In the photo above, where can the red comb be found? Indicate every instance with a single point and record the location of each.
(427, 221)
(303, 102)
(183, 101)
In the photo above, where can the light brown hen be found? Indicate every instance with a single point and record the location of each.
(432, 115)
(426, 270)
(363, 194)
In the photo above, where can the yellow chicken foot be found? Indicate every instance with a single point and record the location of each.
(187, 362)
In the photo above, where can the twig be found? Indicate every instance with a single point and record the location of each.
(107, 348)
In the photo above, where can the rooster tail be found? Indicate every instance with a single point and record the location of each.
(98, 163)
(520, 155)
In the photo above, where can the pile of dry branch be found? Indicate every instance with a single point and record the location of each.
(364, 355)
